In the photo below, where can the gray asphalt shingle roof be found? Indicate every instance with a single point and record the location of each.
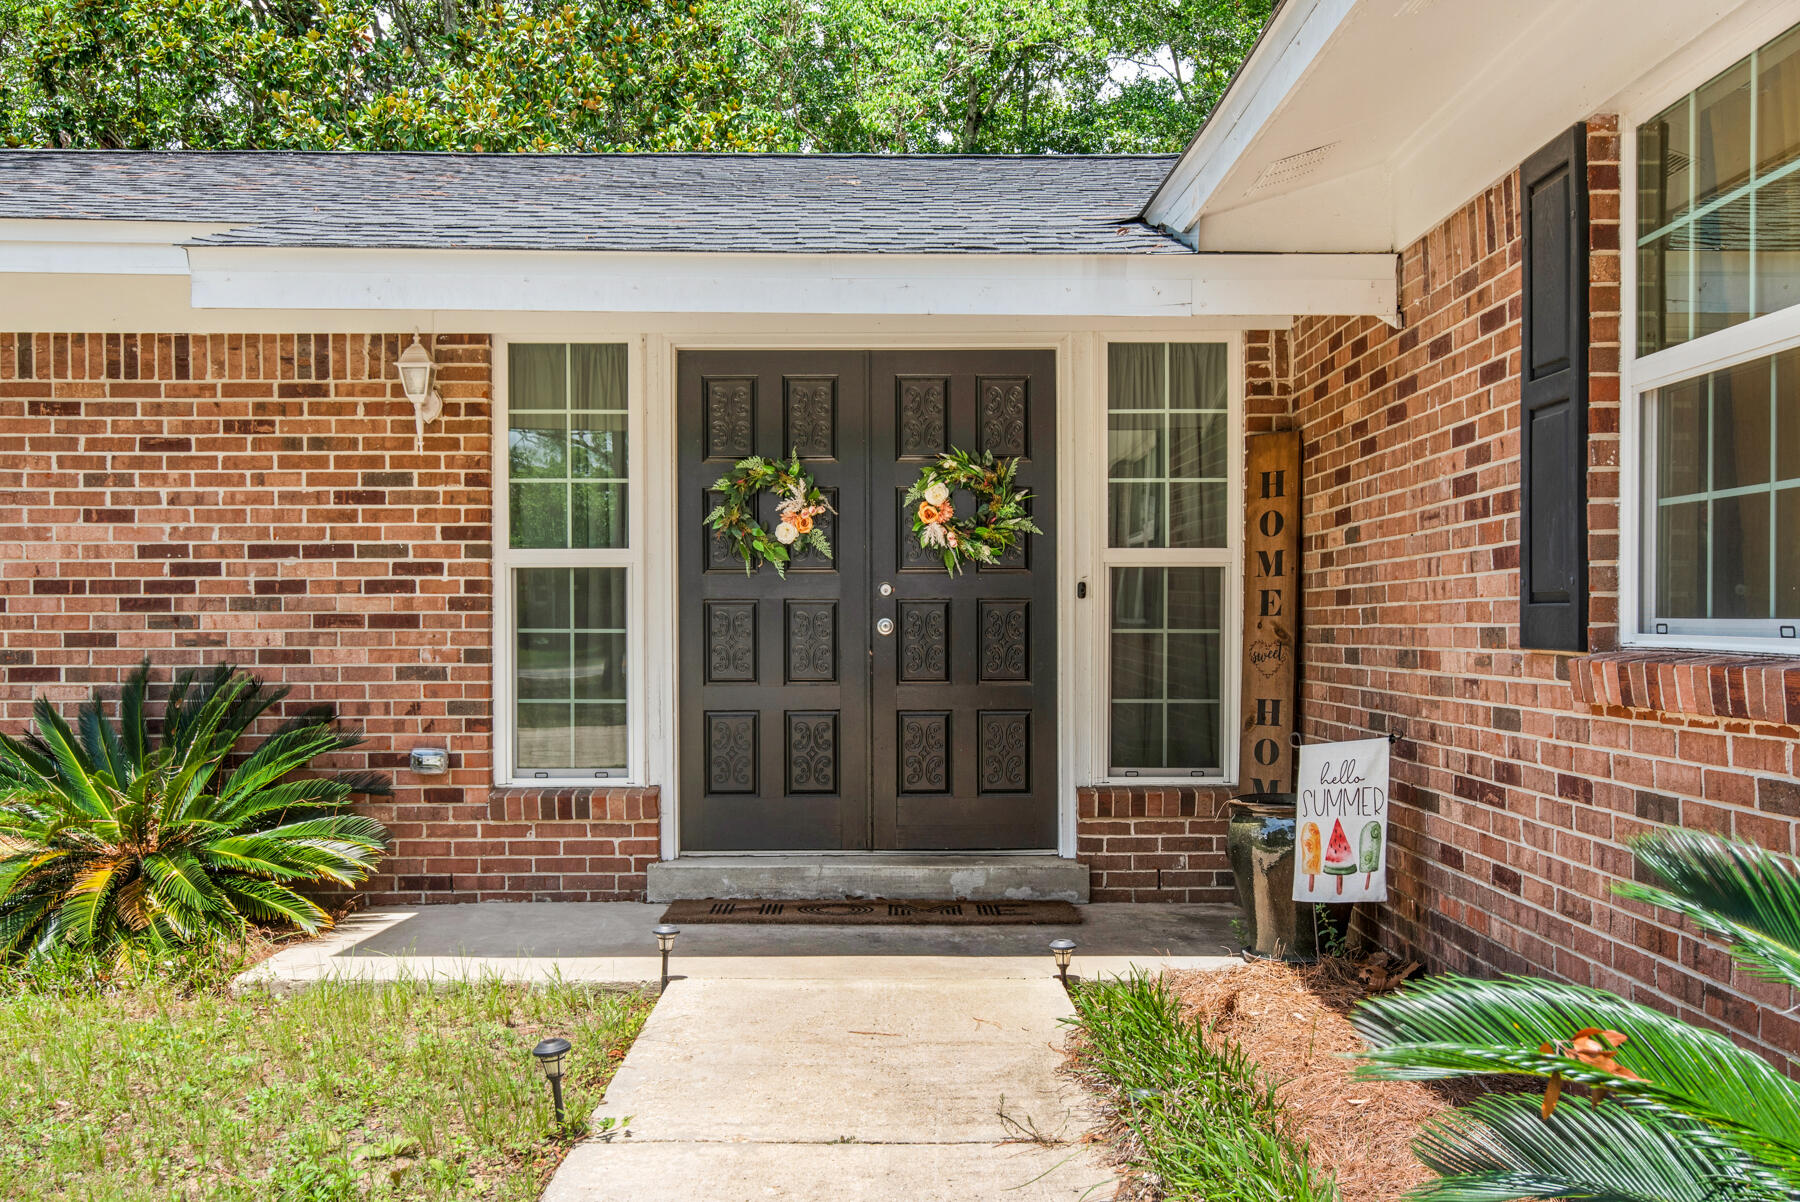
(919, 204)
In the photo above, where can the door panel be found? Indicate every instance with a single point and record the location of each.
(802, 728)
(963, 699)
(774, 682)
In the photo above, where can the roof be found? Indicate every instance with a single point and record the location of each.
(741, 203)
(1358, 127)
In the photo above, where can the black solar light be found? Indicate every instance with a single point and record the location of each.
(1063, 949)
(665, 941)
(550, 1054)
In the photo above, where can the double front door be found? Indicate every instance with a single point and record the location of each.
(869, 701)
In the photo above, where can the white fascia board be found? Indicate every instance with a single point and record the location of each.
(864, 285)
(70, 247)
(1294, 40)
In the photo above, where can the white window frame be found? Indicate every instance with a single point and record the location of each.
(506, 558)
(1105, 557)
(1769, 334)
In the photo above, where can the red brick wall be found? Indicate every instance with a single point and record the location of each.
(1520, 774)
(227, 498)
(1147, 843)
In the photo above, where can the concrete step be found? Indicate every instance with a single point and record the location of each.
(800, 877)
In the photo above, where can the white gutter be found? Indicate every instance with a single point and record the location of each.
(1296, 36)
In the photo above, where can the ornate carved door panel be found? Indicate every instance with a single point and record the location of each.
(774, 674)
(803, 725)
(964, 690)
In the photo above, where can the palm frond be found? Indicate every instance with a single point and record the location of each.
(283, 752)
(267, 901)
(83, 913)
(22, 918)
(1501, 1148)
(1743, 893)
(1456, 1026)
(134, 731)
(100, 744)
(72, 773)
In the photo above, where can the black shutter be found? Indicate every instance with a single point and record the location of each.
(1553, 422)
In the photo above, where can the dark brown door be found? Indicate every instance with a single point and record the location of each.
(871, 701)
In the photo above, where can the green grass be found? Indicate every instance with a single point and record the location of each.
(149, 1090)
(1200, 1123)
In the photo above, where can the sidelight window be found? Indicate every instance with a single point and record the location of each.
(1169, 443)
(566, 564)
(1718, 366)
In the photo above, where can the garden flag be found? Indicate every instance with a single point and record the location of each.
(1341, 822)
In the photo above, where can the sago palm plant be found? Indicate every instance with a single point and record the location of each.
(116, 838)
(1672, 1113)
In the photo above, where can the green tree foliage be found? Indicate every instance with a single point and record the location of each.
(116, 839)
(991, 76)
(550, 75)
(369, 75)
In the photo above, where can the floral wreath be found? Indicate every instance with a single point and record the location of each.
(1000, 520)
(801, 503)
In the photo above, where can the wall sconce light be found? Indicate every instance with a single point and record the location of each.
(550, 1054)
(416, 369)
(1064, 951)
(665, 942)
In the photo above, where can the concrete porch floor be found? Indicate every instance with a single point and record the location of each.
(610, 942)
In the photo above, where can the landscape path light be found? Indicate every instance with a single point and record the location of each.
(550, 1054)
(665, 941)
(1064, 950)
(416, 369)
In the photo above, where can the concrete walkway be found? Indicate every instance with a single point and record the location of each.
(807, 1064)
(608, 942)
(838, 1090)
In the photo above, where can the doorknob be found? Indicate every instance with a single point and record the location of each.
(887, 590)
(885, 626)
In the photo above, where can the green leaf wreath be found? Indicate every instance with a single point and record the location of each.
(799, 508)
(1000, 521)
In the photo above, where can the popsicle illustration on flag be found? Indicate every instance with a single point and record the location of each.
(1309, 852)
(1342, 814)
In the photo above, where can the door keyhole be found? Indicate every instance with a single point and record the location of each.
(885, 626)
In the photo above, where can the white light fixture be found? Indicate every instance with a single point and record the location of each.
(416, 368)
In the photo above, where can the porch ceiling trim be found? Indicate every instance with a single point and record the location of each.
(860, 285)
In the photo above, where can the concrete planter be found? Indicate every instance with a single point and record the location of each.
(1260, 842)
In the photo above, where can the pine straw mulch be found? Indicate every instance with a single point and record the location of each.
(1293, 1020)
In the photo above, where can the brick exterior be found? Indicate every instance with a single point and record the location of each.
(203, 499)
(258, 499)
(1520, 774)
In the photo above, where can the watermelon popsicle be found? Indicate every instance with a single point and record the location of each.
(1370, 847)
(1309, 853)
(1339, 861)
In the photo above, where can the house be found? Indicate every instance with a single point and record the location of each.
(1549, 506)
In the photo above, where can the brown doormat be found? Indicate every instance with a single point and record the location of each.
(877, 912)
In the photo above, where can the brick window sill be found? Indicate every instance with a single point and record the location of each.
(1753, 688)
(573, 803)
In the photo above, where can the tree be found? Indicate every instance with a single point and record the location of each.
(369, 75)
(977, 76)
(556, 75)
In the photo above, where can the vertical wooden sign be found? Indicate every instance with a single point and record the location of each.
(1271, 611)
